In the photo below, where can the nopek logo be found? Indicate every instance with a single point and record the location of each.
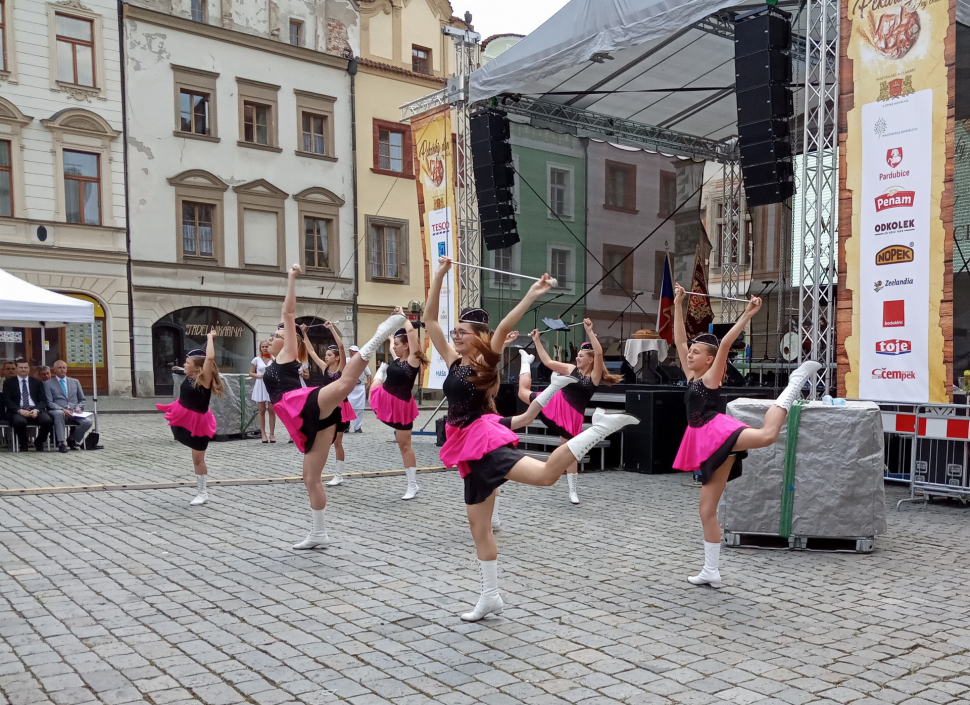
(894, 254)
(899, 375)
(894, 347)
(895, 197)
(893, 314)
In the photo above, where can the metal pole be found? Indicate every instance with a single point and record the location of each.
(94, 378)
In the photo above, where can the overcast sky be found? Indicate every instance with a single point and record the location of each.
(500, 16)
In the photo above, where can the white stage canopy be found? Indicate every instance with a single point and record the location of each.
(25, 305)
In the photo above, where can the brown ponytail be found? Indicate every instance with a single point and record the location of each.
(217, 387)
(609, 379)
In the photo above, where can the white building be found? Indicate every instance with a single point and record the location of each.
(62, 189)
(240, 163)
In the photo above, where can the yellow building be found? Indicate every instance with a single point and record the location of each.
(403, 56)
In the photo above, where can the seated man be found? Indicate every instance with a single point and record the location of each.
(9, 369)
(25, 400)
(64, 400)
(43, 373)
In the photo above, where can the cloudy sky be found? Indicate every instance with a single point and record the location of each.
(499, 16)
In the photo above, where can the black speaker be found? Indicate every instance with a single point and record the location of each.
(651, 445)
(763, 73)
(494, 178)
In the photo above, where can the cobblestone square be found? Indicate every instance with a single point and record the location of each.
(134, 596)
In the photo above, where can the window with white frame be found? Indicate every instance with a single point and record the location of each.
(198, 10)
(508, 259)
(561, 265)
(559, 179)
(75, 50)
(3, 36)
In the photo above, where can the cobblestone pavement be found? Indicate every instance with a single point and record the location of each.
(124, 597)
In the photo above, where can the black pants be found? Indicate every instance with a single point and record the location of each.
(20, 424)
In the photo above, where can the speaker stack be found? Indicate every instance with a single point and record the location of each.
(494, 178)
(763, 74)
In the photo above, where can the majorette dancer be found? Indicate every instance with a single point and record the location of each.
(563, 415)
(333, 364)
(192, 423)
(311, 414)
(481, 447)
(715, 443)
(391, 398)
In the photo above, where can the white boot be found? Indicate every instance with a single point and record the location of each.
(795, 383)
(572, 479)
(338, 474)
(202, 495)
(317, 538)
(710, 575)
(496, 522)
(380, 374)
(556, 383)
(383, 332)
(412, 475)
(527, 360)
(490, 602)
(603, 425)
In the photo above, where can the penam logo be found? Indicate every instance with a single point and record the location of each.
(894, 347)
(900, 375)
(894, 254)
(894, 157)
(893, 314)
(895, 197)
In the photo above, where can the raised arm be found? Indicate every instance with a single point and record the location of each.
(438, 337)
(341, 352)
(414, 342)
(310, 350)
(680, 331)
(512, 318)
(209, 366)
(563, 368)
(291, 345)
(716, 373)
(599, 366)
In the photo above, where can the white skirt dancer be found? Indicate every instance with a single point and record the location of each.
(259, 389)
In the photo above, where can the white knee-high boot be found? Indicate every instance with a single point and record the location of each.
(795, 383)
(202, 494)
(711, 574)
(412, 475)
(338, 474)
(556, 383)
(526, 358)
(490, 601)
(380, 374)
(573, 479)
(317, 538)
(383, 332)
(603, 425)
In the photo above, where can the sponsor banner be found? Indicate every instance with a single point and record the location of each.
(431, 134)
(895, 157)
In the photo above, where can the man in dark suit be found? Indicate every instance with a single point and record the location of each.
(26, 404)
(65, 401)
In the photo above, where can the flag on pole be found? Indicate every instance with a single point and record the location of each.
(665, 315)
(699, 313)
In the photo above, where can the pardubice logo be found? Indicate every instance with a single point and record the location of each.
(894, 226)
(894, 254)
(880, 285)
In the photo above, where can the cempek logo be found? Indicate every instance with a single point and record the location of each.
(893, 314)
(894, 157)
(894, 347)
(899, 375)
(895, 197)
(894, 254)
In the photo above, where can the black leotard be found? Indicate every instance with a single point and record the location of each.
(701, 403)
(193, 396)
(465, 401)
(280, 379)
(399, 379)
(578, 395)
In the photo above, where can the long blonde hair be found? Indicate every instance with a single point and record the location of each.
(606, 377)
(217, 387)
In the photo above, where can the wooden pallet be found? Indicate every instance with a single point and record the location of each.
(854, 544)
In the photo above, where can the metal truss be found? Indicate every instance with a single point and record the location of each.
(732, 254)
(819, 194)
(466, 201)
(424, 104)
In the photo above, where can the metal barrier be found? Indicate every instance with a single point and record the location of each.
(899, 429)
(939, 449)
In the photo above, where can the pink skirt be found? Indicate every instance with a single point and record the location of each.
(391, 410)
(300, 414)
(347, 411)
(201, 425)
(560, 417)
(707, 447)
(482, 436)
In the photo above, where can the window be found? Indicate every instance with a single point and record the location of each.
(621, 279)
(314, 114)
(3, 36)
(75, 50)
(296, 33)
(313, 133)
(621, 187)
(384, 252)
(256, 122)
(559, 191)
(197, 229)
(6, 180)
(668, 194)
(82, 187)
(317, 243)
(393, 149)
(193, 112)
(421, 60)
(261, 222)
(658, 271)
(502, 260)
(559, 267)
(198, 10)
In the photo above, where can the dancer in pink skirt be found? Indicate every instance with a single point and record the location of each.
(333, 363)
(192, 423)
(716, 443)
(391, 398)
(563, 415)
(477, 442)
(311, 414)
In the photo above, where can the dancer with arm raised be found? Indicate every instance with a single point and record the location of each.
(333, 364)
(715, 443)
(481, 447)
(311, 414)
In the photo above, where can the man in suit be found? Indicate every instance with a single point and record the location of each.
(26, 403)
(64, 400)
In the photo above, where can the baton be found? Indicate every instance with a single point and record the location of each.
(713, 296)
(502, 271)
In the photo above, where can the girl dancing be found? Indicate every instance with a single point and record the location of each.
(256, 369)
(482, 447)
(391, 399)
(191, 421)
(333, 364)
(311, 414)
(715, 443)
(564, 413)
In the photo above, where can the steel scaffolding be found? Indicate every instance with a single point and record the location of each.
(466, 202)
(732, 256)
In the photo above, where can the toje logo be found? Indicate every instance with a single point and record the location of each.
(894, 254)
(895, 197)
(894, 347)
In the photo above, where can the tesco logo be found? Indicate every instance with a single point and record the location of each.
(883, 373)
(893, 347)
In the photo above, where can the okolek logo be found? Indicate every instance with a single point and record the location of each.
(894, 157)
(894, 254)
(895, 197)
(894, 347)
(897, 375)
(893, 314)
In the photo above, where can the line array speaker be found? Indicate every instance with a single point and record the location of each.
(763, 74)
(494, 178)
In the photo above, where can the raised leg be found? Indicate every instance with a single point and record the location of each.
(525, 375)
(763, 437)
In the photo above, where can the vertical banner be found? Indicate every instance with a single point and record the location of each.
(431, 134)
(895, 157)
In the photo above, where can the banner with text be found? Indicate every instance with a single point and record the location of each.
(895, 158)
(431, 135)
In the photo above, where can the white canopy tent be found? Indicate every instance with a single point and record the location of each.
(25, 305)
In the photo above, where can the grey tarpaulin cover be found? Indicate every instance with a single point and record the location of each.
(226, 408)
(839, 489)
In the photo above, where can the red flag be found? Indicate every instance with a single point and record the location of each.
(699, 314)
(665, 315)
